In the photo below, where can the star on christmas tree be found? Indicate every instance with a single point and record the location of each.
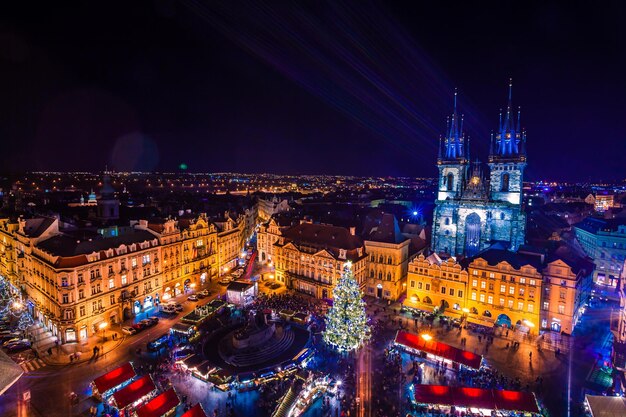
(346, 321)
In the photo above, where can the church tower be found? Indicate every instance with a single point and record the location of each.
(507, 156)
(108, 204)
(452, 160)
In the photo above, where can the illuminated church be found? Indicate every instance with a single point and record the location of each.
(472, 211)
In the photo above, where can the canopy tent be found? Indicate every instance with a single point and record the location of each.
(195, 411)
(601, 406)
(10, 372)
(133, 392)
(114, 378)
(476, 398)
(442, 350)
(160, 405)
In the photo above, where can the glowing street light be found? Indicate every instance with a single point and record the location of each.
(465, 310)
(427, 337)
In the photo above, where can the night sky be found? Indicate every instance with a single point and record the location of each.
(319, 88)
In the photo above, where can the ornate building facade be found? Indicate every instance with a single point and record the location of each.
(472, 211)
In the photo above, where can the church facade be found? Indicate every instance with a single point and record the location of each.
(473, 210)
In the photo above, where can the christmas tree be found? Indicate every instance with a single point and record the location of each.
(346, 321)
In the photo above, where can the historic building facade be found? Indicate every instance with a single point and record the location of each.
(472, 212)
(309, 258)
(388, 253)
(605, 242)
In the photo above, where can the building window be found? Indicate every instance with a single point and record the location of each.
(111, 283)
(474, 283)
(460, 294)
(112, 299)
(511, 290)
(502, 288)
(145, 259)
(474, 272)
(483, 284)
(561, 309)
(412, 284)
(80, 278)
(531, 308)
(532, 282)
(427, 287)
(133, 262)
(501, 302)
(66, 298)
(562, 295)
(473, 296)
(546, 305)
(443, 290)
(492, 275)
(419, 285)
(520, 305)
(531, 293)
(124, 279)
(522, 280)
(81, 310)
(491, 286)
(81, 294)
(510, 303)
(504, 182)
(110, 269)
(521, 292)
(482, 298)
(452, 291)
(490, 299)
(450, 182)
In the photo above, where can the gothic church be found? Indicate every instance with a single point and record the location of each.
(473, 212)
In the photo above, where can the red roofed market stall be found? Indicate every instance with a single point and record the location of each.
(195, 411)
(107, 382)
(133, 392)
(440, 350)
(475, 398)
(161, 405)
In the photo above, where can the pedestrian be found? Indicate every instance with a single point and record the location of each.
(49, 351)
(530, 355)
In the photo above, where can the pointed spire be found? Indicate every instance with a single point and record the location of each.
(510, 90)
(439, 152)
(467, 152)
(491, 145)
(456, 91)
(519, 117)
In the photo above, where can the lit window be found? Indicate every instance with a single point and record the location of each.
(502, 288)
(501, 302)
(520, 305)
(474, 283)
(511, 290)
(474, 296)
(510, 303)
(111, 283)
(482, 298)
(561, 309)
(532, 282)
(490, 299)
(483, 284)
(531, 308)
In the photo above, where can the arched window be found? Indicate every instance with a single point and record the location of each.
(447, 221)
(502, 216)
(427, 300)
(380, 276)
(388, 276)
(380, 259)
(474, 310)
(505, 182)
(450, 182)
(389, 260)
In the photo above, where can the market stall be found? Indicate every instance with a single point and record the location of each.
(104, 385)
(475, 400)
(437, 350)
(195, 411)
(241, 293)
(134, 393)
(162, 405)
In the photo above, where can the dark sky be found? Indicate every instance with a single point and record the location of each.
(340, 88)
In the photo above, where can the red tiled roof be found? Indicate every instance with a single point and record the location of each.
(195, 411)
(134, 391)
(114, 378)
(476, 398)
(159, 405)
(414, 341)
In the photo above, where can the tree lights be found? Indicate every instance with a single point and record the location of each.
(346, 321)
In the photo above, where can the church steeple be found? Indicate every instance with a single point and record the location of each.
(454, 140)
(509, 137)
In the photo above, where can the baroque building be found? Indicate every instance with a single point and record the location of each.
(472, 212)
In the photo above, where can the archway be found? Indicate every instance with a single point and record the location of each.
(474, 310)
(487, 313)
(415, 298)
(427, 300)
(472, 234)
(444, 304)
(504, 321)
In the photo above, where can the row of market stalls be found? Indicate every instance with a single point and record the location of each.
(136, 396)
(438, 351)
(479, 401)
(224, 380)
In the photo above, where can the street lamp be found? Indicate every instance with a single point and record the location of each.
(102, 327)
(426, 337)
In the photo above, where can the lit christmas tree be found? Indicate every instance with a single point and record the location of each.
(346, 321)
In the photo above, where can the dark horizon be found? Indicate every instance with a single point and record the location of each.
(354, 89)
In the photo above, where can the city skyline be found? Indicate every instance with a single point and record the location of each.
(231, 87)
